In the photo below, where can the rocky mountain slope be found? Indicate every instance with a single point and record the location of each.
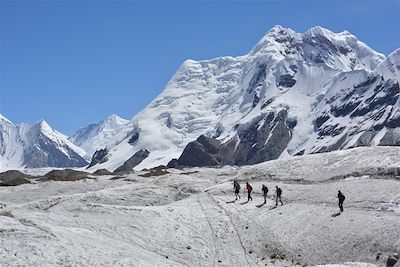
(36, 146)
(293, 93)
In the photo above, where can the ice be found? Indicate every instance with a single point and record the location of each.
(187, 217)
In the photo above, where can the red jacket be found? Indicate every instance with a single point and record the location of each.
(249, 188)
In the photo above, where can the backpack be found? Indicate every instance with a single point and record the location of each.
(249, 188)
(236, 185)
(279, 191)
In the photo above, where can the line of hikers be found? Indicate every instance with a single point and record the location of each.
(278, 194)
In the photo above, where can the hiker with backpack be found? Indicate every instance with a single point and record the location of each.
(249, 189)
(236, 188)
(341, 198)
(265, 192)
(278, 196)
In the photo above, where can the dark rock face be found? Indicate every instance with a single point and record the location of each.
(102, 172)
(335, 146)
(366, 138)
(391, 138)
(256, 84)
(267, 103)
(256, 99)
(344, 109)
(392, 260)
(371, 102)
(286, 80)
(331, 130)
(257, 79)
(173, 164)
(135, 160)
(202, 152)
(263, 140)
(134, 137)
(386, 94)
(35, 157)
(64, 175)
(321, 120)
(258, 144)
(99, 156)
(394, 122)
(13, 178)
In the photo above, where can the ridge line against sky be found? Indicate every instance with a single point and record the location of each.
(73, 63)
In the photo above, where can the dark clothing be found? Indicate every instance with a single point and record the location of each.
(341, 198)
(280, 199)
(279, 192)
(278, 196)
(341, 206)
(236, 187)
(249, 189)
(265, 192)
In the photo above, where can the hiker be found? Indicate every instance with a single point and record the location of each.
(265, 192)
(278, 196)
(341, 198)
(236, 188)
(249, 189)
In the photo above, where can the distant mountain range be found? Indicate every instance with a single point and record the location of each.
(36, 146)
(39, 145)
(293, 93)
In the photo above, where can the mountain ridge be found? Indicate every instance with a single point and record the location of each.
(35, 146)
(222, 98)
(293, 93)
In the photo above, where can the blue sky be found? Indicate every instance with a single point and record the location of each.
(76, 62)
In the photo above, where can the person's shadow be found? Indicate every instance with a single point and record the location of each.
(244, 202)
(230, 202)
(260, 205)
(336, 214)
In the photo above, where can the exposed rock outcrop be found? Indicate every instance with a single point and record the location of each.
(135, 160)
(14, 177)
(99, 156)
(262, 140)
(65, 175)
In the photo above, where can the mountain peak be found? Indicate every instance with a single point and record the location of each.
(113, 121)
(96, 135)
(36, 146)
(318, 30)
(43, 125)
(115, 118)
(342, 50)
(278, 88)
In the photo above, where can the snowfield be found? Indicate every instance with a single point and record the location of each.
(188, 217)
(332, 91)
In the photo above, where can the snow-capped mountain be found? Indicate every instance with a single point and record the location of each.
(390, 68)
(95, 136)
(35, 146)
(293, 93)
